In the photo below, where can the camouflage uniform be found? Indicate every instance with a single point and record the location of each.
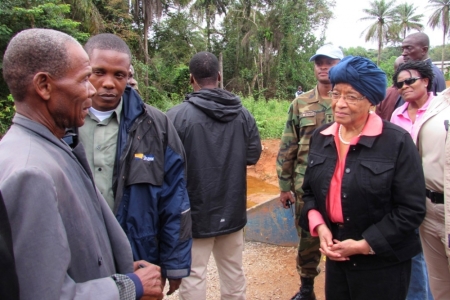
(306, 113)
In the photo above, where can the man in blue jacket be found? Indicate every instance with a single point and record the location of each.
(138, 163)
(220, 138)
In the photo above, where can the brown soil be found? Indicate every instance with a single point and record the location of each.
(270, 270)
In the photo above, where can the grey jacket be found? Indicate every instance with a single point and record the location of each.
(67, 243)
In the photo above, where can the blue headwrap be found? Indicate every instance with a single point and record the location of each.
(363, 75)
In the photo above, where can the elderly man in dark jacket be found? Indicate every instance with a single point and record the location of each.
(220, 138)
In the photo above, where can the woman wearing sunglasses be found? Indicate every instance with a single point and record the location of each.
(427, 119)
(413, 81)
(363, 190)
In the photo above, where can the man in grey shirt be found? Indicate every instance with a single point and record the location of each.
(67, 244)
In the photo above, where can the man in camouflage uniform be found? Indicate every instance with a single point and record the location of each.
(307, 112)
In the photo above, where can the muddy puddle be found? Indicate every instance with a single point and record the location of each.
(259, 191)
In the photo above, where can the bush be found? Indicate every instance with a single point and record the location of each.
(270, 116)
(6, 114)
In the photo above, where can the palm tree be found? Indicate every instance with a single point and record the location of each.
(406, 19)
(383, 13)
(86, 12)
(148, 10)
(206, 10)
(440, 18)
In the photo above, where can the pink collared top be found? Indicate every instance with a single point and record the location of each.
(373, 127)
(401, 118)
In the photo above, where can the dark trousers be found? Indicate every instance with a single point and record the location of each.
(344, 282)
(9, 283)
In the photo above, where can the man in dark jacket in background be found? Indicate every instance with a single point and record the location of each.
(220, 138)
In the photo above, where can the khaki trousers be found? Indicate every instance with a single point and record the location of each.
(432, 235)
(227, 250)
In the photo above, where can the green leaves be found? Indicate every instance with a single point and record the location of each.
(7, 111)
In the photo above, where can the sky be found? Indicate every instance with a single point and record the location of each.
(345, 29)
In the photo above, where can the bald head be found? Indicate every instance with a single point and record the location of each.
(32, 51)
(420, 39)
(415, 47)
(398, 61)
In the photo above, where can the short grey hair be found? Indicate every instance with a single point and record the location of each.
(32, 51)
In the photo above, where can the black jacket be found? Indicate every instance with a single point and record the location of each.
(220, 138)
(383, 193)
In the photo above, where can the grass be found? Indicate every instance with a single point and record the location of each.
(270, 116)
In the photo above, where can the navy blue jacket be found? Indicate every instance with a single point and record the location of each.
(438, 84)
(149, 184)
(383, 193)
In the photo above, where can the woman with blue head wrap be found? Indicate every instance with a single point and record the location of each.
(364, 190)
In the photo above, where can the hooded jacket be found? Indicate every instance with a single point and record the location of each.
(220, 138)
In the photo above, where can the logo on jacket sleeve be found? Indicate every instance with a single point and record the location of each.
(145, 157)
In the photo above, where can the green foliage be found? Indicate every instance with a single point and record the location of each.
(6, 114)
(436, 53)
(388, 67)
(266, 46)
(270, 116)
(19, 15)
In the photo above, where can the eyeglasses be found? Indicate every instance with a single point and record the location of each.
(347, 98)
(409, 81)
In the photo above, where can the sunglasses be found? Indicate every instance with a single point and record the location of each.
(408, 81)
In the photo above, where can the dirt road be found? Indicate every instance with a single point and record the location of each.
(270, 270)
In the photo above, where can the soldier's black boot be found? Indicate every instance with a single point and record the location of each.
(306, 290)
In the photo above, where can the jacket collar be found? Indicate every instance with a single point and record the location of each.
(40, 130)
(372, 128)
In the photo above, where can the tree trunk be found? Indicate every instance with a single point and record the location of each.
(443, 49)
(380, 43)
(146, 58)
(221, 70)
(208, 29)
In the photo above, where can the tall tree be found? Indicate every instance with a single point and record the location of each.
(146, 11)
(207, 10)
(267, 45)
(406, 19)
(87, 13)
(383, 13)
(440, 18)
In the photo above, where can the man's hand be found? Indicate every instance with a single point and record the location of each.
(174, 284)
(150, 276)
(284, 197)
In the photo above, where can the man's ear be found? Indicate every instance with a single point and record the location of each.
(219, 76)
(191, 79)
(42, 85)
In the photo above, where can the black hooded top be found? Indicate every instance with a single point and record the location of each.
(220, 138)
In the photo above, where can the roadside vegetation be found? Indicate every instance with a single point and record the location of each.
(270, 116)
(264, 45)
